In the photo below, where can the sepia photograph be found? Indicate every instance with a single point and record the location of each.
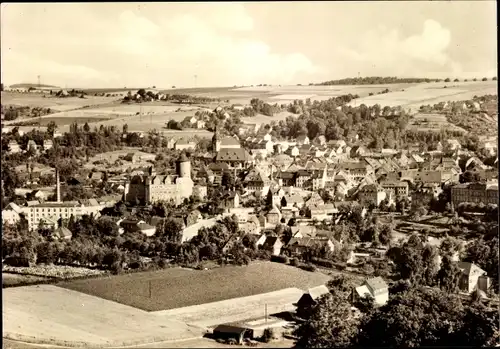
(274, 174)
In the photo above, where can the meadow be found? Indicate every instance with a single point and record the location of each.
(58, 104)
(432, 122)
(62, 121)
(178, 287)
(261, 119)
(430, 93)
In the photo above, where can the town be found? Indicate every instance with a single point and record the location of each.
(262, 215)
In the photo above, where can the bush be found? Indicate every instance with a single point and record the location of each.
(340, 265)
(280, 259)
(308, 267)
(368, 269)
(162, 263)
(294, 262)
(268, 335)
(323, 262)
(116, 268)
(263, 254)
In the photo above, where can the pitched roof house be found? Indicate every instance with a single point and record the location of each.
(375, 288)
(272, 244)
(309, 299)
(473, 278)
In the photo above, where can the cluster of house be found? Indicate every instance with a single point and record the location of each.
(348, 174)
(15, 147)
(472, 279)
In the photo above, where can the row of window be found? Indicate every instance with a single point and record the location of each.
(37, 209)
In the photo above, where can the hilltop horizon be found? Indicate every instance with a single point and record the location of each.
(324, 83)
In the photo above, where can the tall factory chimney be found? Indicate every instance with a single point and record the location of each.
(58, 186)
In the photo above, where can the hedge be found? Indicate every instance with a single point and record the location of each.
(323, 262)
(294, 262)
(308, 267)
(280, 259)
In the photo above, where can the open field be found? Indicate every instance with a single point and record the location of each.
(432, 122)
(261, 119)
(59, 104)
(237, 309)
(285, 94)
(193, 287)
(430, 93)
(153, 117)
(112, 156)
(145, 123)
(9, 279)
(54, 315)
(63, 121)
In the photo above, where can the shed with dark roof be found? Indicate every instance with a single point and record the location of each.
(227, 332)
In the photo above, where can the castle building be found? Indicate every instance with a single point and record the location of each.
(152, 187)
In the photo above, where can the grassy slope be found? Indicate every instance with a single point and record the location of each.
(174, 288)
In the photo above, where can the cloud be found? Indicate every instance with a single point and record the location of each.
(389, 54)
(216, 41)
(137, 26)
(230, 16)
(187, 42)
(430, 45)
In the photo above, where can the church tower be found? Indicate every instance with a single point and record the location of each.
(216, 141)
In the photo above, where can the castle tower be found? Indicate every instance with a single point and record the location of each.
(183, 166)
(216, 141)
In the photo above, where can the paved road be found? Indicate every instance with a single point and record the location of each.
(191, 343)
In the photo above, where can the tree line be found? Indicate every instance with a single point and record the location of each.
(376, 80)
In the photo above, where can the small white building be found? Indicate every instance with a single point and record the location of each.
(14, 147)
(375, 288)
(11, 214)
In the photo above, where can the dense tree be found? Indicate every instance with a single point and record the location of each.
(331, 324)
(484, 253)
(449, 275)
(412, 319)
(171, 230)
(375, 80)
(469, 176)
(415, 261)
(450, 245)
(385, 235)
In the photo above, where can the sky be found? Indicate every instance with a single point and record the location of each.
(244, 43)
